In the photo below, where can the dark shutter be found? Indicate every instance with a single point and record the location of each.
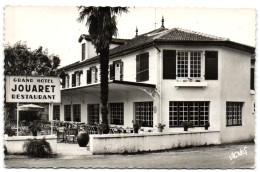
(121, 70)
(112, 71)
(96, 71)
(138, 68)
(211, 65)
(88, 76)
(83, 51)
(169, 64)
(73, 80)
(144, 67)
(252, 79)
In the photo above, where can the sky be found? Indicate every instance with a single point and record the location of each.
(57, 29)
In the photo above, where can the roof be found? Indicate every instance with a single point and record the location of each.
(164, 36)
(114, 40)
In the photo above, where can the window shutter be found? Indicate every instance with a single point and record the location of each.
(169, 64)
(88, 76)
(144, 67)
(83, 51)
(112, 71)
(138, 68)
(73, 80)
(211, 65)
(96, 71)
(121, 70)
(252, 79)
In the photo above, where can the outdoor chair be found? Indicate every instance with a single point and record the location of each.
(71, 135)
(61, 134)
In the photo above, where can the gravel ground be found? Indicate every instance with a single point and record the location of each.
(71, 156)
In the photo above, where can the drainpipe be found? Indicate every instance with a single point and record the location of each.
(160, 78)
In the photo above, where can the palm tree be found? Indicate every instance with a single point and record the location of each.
(101, 23)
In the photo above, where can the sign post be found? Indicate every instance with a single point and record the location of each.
(17, 121)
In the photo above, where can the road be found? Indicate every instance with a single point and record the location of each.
(196, 157)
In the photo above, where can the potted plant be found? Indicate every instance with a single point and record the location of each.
(136, 127)
(34, 128)
(160, 127)
(186, 125)
(207, 125)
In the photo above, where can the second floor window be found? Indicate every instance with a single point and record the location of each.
(189, 64)
(116, 70)
(142, 67)
(92, 75)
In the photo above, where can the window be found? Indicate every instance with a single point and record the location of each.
(142, 67)
(117, 113)
(67, 112)
(83, 56)
(195, 112)
(116, 70)
(76, 113)
(56, 112)
(93, 113)
(92, 75)
(73, 80)
(144, 113)
(78, 77)
(189, 64)
(234, 113)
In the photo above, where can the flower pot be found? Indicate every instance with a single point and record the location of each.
(160, 130)
(34, 133)
(136, 130)
(82, 138)
(206, 128)
(185, 128)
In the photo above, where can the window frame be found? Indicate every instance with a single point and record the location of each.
(54, 112)
(151, 113)
(119, 114)
(234, 115)
(65, 113)
(188, 113)
(189, 64)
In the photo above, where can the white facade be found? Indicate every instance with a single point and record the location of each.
(232, 85)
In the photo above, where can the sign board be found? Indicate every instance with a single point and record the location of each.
(37, 89)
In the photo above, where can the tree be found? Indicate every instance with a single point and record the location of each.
(101, 23)
(20, 60)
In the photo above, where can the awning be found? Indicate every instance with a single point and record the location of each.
(115, 87)
(30, 107)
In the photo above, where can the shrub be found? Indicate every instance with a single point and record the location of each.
(9, 131)
(37, 148)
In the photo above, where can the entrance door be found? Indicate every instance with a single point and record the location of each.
(93, 114)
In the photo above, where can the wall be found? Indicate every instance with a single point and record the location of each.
(15, 144)
(235, 84)
(132, 143)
